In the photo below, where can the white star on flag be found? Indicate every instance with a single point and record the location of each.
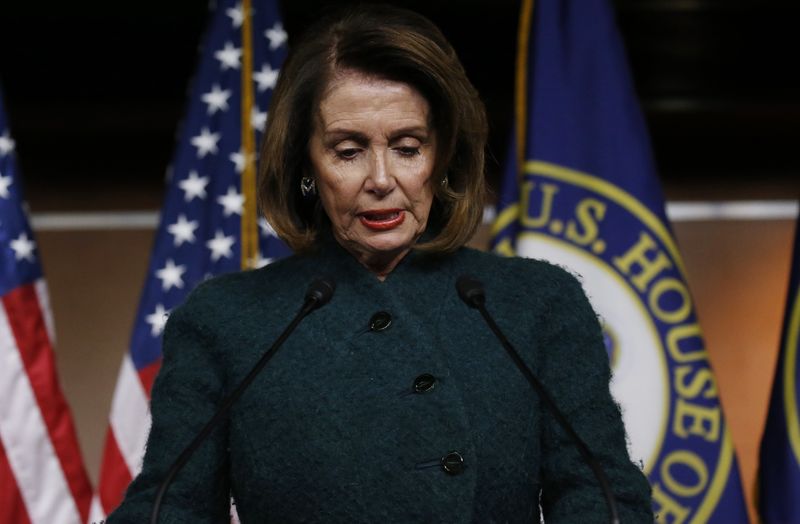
(183, 230)
(6, 144)
(216, 99)
(266, 227)
(171, 275)
(262, 261)
(5, 182)
(206, 142)
(258, 120)
(276, 35)
(194, 186)
(266, 78)
(157, 320)
(220, 246)
(229, 57)
(23, 247)
(238, 161)
(232, 202)
(236, 14)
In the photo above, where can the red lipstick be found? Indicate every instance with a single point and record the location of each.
(382, 219)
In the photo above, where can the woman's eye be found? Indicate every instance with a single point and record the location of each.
(347, 154)
(408, 151)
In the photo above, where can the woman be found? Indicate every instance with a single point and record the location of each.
(394, 402)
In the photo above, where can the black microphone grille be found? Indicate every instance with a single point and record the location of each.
(321, 290)
(470, 289)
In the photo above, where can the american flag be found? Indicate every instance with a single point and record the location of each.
(209, 204)
(42, 477)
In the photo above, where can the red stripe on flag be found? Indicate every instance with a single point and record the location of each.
(148, 374)
(114, 475)
(12, 507)
(27, 323)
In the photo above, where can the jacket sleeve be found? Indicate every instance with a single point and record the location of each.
(576, 371)
(185, 396)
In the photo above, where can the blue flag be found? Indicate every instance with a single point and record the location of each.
(19, 261)
(779, 469)
(208, 222)
(580, 190)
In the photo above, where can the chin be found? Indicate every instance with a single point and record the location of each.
(389, 242)
(388, 247)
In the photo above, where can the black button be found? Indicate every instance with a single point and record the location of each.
(424, 383)
(380, 321)
(453, 463)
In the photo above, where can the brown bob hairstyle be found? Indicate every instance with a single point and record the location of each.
(394, 44)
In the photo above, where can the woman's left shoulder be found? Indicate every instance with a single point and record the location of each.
(519, 272)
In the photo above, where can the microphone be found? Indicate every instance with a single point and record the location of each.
(470, 290)
(318, 294)
(320, 291)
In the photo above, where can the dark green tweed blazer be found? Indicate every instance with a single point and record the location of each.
(332, 431)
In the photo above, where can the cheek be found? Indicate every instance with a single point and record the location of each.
(422, 193)
(337, 192)
(416, 180)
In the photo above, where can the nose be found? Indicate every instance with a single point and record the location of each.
(380, 180)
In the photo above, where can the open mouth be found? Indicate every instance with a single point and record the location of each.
(382, 219)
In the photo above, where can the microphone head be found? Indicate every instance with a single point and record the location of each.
(320, 291)
(470, 289)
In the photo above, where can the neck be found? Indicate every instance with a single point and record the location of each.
(381, 264)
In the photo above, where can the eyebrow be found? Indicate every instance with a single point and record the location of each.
(336, 134)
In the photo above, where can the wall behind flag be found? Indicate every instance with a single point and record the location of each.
(738, 272)
(737, 268)
(89, 89)
(95, 285)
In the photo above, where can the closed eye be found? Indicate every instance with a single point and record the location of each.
(407, 151)
(347, 154)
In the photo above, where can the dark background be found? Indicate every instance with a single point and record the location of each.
(95, 90)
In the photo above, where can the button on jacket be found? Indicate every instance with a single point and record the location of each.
(393, 403)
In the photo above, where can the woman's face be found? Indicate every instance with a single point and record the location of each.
(372, 150)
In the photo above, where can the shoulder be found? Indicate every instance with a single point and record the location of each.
(223, 295)
(520, 275)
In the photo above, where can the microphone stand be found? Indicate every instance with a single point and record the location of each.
(471, 292)
(318, 294)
